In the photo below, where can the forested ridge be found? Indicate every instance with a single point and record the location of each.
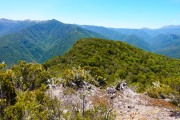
(39, 41)
(113, 60)
(29, 90)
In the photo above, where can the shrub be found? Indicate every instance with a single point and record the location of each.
(78, 76)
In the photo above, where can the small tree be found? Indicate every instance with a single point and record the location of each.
(7, 91)
(29, 76)
(77, 77)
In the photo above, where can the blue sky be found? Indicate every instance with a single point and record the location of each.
(109, 13)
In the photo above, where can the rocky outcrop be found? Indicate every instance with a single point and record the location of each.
(123, 101)
(132, 106)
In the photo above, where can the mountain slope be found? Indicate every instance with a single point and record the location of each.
(112, 34)
(136, 32)
(112, 60)
(134, 37)
(162, 41)
(138, 42)
(41, 41)
(171, 29)
(12, 26)
(167, 44)
(170, 51)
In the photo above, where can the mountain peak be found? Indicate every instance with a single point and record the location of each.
(171, 27)
(54, 21)
(4, 20)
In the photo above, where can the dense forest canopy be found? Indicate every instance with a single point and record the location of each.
(24, 87)
(113, 60)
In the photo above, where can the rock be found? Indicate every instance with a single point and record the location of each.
(118, 86)
(131, 106)
(162, 96)
(175, 114)
(167, 100)
(145, 93)
(121, 86)
(113, 96)
(110, 90)
(73, 84)
(127, 103)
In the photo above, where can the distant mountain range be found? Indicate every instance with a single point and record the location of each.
(165, 41)
(39, 41)
(12, 26)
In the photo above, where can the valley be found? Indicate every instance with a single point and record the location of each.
(39, 41)
(52, 70)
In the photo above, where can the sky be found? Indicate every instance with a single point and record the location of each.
(108, 13)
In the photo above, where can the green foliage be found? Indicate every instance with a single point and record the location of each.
(2, 66)
(98, 113)
(7, 89)
(33, 105)
(138, 42)
(10, 26)
(112, 60)
(29, 76)
(165, 41)
(167, 44)
(41, 41)
(23, 94)
(22, 77)
(95, 61)
(78, 76)
(173, 82)
(158, 90)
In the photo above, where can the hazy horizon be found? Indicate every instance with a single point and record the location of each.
(90, 24)
(115, 13)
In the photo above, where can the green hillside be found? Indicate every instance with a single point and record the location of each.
(13, 26)
(110, 61)
(28, 90)
(168, 45)
(162, 41)
(170, 51)
(134, 37)
(137, 42)
(136, 32)
(109, 33)
(41, 41)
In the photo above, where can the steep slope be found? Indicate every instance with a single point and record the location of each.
(138, 42)
(109, 33)
(173, 52)
(171, 29)
(41, 41)
(112, 60)
(167, 44)
(125, 105)
(134, 37)
(136, 32)
(162, 41)
(12, 26)
(15, 47)
(23, 90)
(166, 40)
